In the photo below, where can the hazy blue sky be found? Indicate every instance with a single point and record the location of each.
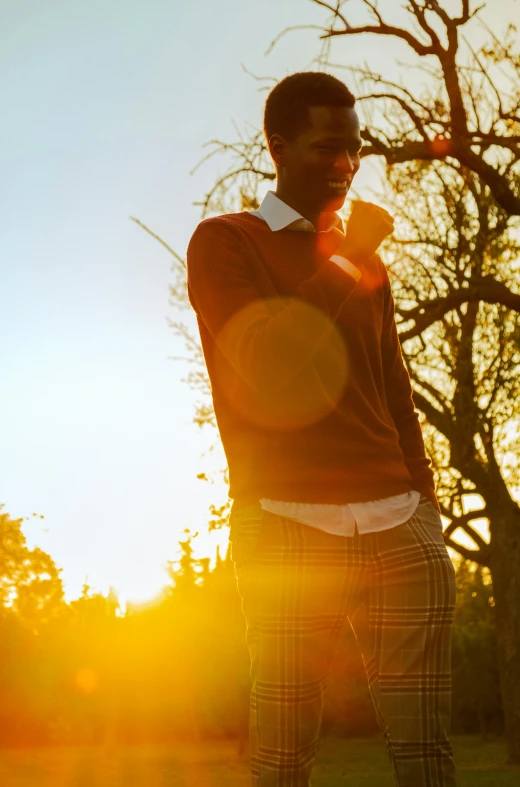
(105, 108)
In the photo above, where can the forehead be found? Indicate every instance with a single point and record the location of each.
(341, 122)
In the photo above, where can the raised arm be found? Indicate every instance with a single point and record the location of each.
(268, 341)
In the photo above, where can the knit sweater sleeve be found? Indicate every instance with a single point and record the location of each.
(399, 395)
(268, 341)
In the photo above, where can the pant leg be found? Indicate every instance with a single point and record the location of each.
(296, 583)
(405, 639)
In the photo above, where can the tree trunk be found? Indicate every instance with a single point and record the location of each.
(505, 569)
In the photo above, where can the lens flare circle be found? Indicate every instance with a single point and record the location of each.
(281, 380)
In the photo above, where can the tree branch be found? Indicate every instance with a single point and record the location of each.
(470, 554)
(380, 29)
(418, 123)
(486, 289)
(420, 15)
(440, 421)
(161, 241)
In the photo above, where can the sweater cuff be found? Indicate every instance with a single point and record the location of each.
(346, 265)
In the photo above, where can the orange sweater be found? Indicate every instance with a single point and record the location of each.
(311, 396)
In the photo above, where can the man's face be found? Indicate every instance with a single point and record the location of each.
(321, 162)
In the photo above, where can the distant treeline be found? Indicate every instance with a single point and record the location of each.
(178, 668)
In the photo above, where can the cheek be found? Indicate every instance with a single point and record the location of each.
(320, 168)
(310, 172)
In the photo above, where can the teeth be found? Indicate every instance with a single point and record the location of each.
(338, 184)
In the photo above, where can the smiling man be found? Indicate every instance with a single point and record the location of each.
(334, 513)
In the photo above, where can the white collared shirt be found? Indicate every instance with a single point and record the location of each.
(340, 520)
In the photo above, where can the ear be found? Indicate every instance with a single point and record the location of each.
(277, 147)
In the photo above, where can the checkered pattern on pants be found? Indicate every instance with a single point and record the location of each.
(396, 588)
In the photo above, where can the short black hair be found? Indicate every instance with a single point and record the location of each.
(286, 109)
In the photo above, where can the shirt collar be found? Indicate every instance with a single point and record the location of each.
(279, 216)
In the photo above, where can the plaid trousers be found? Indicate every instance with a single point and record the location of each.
(397, 589)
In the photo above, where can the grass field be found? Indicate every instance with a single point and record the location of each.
(340, 763)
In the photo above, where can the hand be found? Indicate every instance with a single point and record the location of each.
(367, 226)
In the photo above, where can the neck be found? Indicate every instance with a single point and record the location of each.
(320, 219)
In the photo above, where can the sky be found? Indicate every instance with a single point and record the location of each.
(106, 110)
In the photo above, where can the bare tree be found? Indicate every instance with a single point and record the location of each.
(461, 343)
(462, 348)
(470, 110)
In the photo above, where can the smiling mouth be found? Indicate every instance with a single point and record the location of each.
(338, 185)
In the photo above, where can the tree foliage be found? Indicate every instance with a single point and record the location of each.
(30, 583)
(177, 668)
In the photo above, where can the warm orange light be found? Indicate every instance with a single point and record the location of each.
(86, 680)
(328, 243)
(441, 146)
(317, 383)
(370, 280)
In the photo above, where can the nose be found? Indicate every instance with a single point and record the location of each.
(343, 163)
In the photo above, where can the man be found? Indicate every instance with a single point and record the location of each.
(334, 510)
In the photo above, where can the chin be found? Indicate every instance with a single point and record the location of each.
(335, 203)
